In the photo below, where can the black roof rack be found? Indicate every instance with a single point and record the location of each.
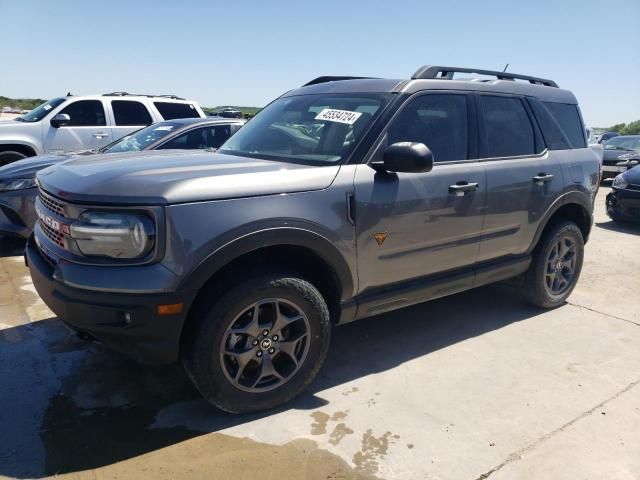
(127, 94)
(328, 78)
(446, 73)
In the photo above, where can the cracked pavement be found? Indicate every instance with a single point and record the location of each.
(478, 385)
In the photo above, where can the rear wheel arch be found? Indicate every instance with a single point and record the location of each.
(573, 207)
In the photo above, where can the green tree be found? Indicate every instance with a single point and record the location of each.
(632, 128)
(618, 127)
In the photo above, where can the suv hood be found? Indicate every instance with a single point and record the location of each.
(159, 178)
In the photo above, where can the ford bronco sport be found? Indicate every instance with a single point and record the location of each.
(340, 200)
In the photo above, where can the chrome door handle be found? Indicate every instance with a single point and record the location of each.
(542, 178)
(462, 188)
(100, 135)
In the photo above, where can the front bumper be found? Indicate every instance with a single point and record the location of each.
(17, 212)
(623, 204)
(142, 334)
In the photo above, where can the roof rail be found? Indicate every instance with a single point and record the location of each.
(446, 73)
(328, 78)
(127, 94)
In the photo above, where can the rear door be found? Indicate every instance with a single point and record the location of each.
(128, 116)
(87, 130)
(523, 179)
(412, 225)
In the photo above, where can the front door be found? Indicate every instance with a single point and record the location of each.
(412, 225)
(87, 130)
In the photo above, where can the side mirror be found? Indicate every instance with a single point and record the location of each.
(408, 157)
(60, 120)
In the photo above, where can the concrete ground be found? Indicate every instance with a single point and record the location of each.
(479, 385)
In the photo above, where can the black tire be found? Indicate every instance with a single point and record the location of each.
(9, 156)
(538, 276)
(204, 362)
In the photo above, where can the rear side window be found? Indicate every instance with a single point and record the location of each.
(508, 130)
(553, 134)
(568, 118)
(170, 110)
(128, 112)
(85, 113)
(439, 121)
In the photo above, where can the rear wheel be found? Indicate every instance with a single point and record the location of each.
(556, 266)
(259, 343)
(9, 156)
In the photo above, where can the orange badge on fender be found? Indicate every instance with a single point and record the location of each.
(380, 237)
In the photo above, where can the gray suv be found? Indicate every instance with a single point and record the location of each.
(343, 199)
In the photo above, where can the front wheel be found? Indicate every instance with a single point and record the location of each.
(556, 266)
(10, 156)
(259, 344)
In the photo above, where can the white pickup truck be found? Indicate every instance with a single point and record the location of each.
(74, 123)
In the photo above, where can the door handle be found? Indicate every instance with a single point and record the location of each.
(100, 135)
(462, 188)
(542, 178)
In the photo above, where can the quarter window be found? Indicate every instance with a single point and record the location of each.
(85, 113)
(170, 110)
(568, 118)
(508, 130)
(127, 112)
(440, 121)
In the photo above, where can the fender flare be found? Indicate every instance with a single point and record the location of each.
(573, 197)
(271, 237)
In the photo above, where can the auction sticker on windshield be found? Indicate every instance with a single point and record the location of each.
(340, 116)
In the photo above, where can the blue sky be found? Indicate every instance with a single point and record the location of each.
(248, 52)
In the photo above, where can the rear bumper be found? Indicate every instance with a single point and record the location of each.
(142, 334)
(623, 205)
(17, 212)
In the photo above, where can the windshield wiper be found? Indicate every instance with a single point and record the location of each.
(19, 119)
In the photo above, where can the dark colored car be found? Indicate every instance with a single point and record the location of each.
(17, 180)
(342, 199)
(620, 154)
(606, 136)
(623, 202)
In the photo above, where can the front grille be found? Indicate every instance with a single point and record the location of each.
(54, 236)
(51, 203)
(633, 186)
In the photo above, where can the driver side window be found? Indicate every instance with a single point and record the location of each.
(440, 121)
(85, 113)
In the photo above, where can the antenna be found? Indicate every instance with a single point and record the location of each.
(505, 67)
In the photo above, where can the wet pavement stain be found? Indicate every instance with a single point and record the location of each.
(339, 432)
(319, 426)
(373, 450)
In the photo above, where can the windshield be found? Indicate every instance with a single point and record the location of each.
(316, 129)
(41, 111)
(142, 138)
(623, 143)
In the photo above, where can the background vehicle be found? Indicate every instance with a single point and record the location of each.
(623, 202)
(239, 263)
(17, 180)
(228, 113)
(74, 123)
(620, 154)
(603, 137)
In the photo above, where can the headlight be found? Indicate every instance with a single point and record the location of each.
(628, 156)
(17, 184)
(115, 235)
(620, 182)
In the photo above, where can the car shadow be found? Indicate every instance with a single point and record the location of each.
(67, 405)
(11, 246)
(622, 227)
